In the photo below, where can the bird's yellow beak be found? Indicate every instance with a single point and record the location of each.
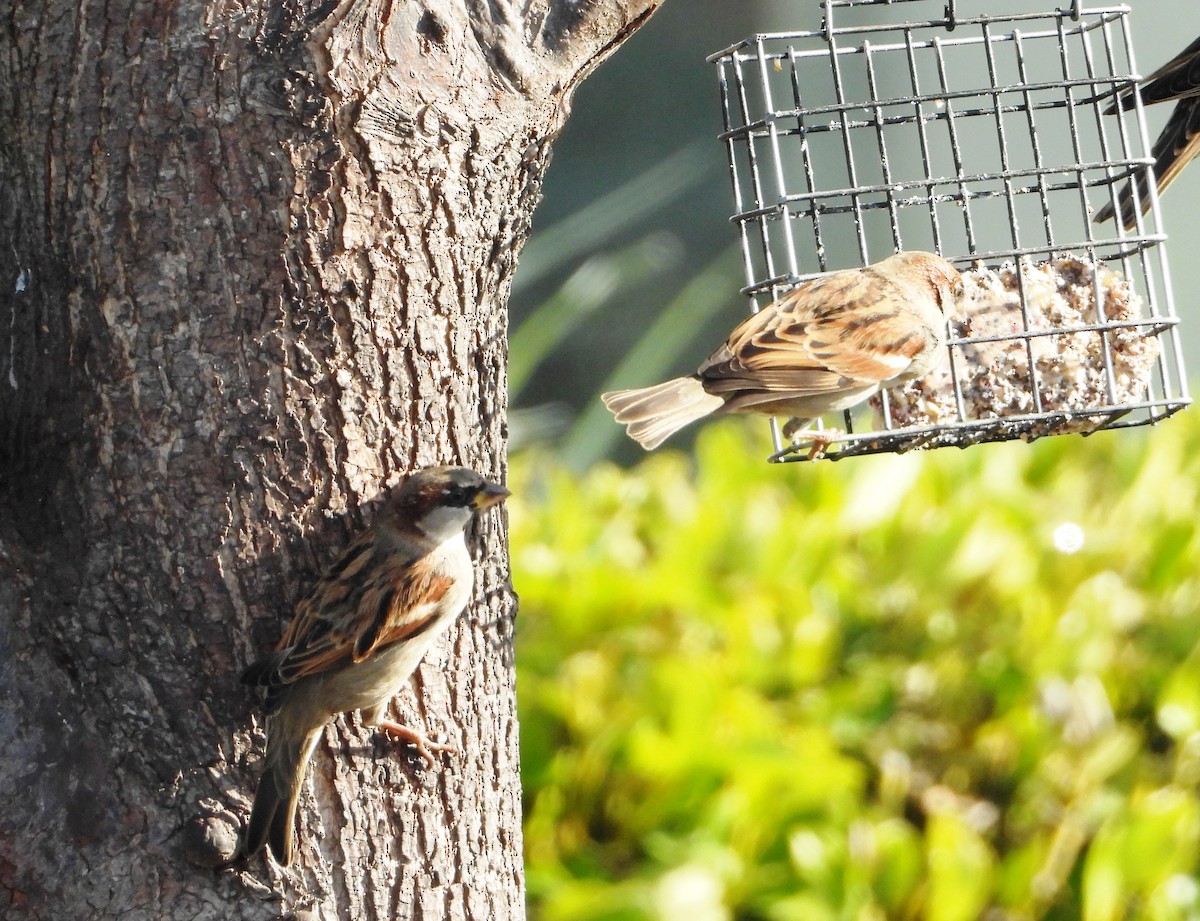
(489, 494)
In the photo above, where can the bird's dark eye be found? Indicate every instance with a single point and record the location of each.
(459, 495)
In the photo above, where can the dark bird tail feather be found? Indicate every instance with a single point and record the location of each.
(273, 816)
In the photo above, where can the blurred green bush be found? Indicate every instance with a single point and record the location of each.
(946, 686)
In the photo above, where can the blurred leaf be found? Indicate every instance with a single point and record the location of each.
(815, 697)
(960, 870)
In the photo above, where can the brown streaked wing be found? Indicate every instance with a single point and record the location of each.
(322, 616)
(344, 620)
(401, 609)
(879, 348)
(775, 340)
(806, 341)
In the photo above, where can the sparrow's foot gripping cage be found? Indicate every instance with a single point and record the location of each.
(984, 138)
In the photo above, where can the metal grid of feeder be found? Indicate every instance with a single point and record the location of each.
(982, 138)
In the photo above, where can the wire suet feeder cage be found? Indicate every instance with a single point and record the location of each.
(982, 138)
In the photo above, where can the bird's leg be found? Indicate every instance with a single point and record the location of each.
(412, 737)
(820, 443)
(796, 430)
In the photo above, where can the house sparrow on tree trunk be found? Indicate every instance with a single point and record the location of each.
(826, 345)
(1179, 142)
(361, 632)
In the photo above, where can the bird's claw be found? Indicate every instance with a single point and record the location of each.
(818, 440)
(422, 744)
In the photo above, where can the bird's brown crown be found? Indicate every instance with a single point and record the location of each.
(432, 488)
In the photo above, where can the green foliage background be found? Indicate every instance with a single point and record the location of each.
(864, 690)
(867, 690)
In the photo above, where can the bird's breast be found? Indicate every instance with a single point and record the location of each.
(452, 559)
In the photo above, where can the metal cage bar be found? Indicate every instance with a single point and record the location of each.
(980, 137)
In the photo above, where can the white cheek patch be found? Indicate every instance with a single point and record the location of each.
(444, 522)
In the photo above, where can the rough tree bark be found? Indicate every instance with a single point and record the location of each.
(254, 265)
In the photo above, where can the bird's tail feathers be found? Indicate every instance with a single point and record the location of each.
(651, 415)
(273, 816)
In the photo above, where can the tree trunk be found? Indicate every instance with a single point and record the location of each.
(254, 266)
